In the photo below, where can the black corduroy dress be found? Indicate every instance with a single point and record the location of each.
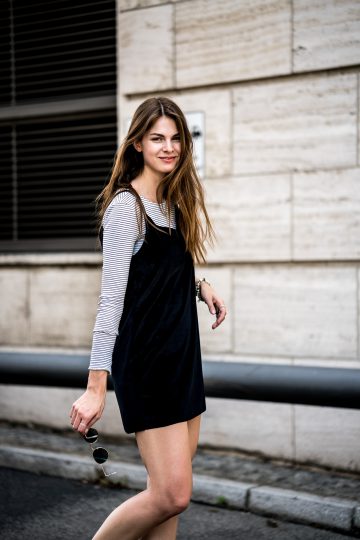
(156, 362)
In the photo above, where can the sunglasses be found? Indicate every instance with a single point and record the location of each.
(100, 454)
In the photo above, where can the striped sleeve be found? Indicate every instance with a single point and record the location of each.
(120, 232)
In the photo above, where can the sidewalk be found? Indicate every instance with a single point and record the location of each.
(231, 479)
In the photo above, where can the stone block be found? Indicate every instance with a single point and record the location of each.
(63, 305)
(218, 42)
(326, 34)
(358, 302)
(295, 310)
(146, 49)
(328, 436)
(250, 426)
(14, 306)
(326, 215)
(358, 121)
(295, 124)
(251, 216)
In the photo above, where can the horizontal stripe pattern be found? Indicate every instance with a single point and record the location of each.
(121, 240)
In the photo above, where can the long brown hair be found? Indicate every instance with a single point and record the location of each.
(181, 186)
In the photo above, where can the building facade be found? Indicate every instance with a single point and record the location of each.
(276, 83)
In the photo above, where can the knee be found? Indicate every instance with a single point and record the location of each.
(174, 500)
(179, 502)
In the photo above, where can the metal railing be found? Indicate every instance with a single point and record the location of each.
(308, 385)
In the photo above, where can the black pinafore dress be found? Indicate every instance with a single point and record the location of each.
(156, 362)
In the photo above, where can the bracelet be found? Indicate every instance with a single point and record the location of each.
(198, 289)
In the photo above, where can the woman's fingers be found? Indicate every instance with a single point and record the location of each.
(82, 422)
(220, 310)
(215, 304)
(78, 419)
(86, 411)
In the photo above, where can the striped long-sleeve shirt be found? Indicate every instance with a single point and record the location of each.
(121, 240)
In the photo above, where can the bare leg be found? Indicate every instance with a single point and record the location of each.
(167, 529)
(166, 454)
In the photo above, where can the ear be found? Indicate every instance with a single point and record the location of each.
(137, 146)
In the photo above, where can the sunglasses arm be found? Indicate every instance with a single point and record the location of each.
(110, 474)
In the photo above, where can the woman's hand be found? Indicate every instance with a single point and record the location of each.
(87, 410)
(215, 303)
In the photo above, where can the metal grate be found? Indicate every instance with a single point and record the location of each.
(55, 55)
(6, 186)
(59, 47)
(61, 163)
(5, 52)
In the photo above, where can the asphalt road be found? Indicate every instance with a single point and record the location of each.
(50, 508)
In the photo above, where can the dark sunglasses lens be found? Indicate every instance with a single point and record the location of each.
(91, 436)
(100, 455)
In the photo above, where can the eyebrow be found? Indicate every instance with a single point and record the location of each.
(161, 135)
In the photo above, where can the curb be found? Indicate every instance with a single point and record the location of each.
(296, 506)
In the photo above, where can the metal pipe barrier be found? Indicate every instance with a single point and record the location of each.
(308, 385)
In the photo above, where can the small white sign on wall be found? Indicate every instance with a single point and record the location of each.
(195, 121)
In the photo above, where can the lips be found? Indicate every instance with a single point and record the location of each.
(168, 159)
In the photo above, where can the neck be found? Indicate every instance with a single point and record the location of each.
(147, 182)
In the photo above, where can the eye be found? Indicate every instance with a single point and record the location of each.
(156, 139)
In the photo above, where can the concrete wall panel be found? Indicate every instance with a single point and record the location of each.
(295, 124)
(145, 49)
(251, 216)
(63, 306)
(15, 309)
(229, 41)
(326, 34)
(328, 436)
(327, 215)
(296, 310)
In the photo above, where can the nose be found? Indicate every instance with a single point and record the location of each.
(168, 145)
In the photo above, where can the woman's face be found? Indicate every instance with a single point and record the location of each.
(161, 146)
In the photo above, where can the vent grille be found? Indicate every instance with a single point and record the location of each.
(64, 48)
(5, 52)
(55, 55)
(6, 186)
(62, 164)
(59, 47)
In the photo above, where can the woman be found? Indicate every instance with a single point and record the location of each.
(146, 331)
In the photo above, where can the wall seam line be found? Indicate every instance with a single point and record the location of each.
(174, 62)
(232, 281)
(357, 120)
(357, 277)
(292, 218)
(232, 130)
(292, 36)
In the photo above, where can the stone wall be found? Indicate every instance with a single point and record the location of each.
(278, 82)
